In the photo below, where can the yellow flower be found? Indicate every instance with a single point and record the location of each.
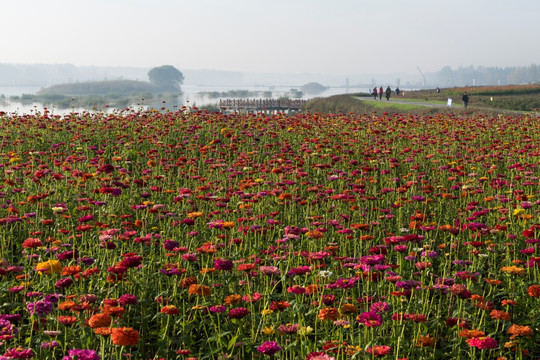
(518, 211)
(49, 266)
(267, 311)
(305, 330)
(268, 330)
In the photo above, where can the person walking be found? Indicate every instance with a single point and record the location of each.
(374, 93)
(465, 99)
(388, 93)
(380, 93)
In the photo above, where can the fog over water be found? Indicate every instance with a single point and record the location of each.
(192, 96)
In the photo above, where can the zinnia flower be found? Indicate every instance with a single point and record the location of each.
(84, 354)
(196, 289)
(170, 310)
(534, 290)
(99, 320)
(269, 348)
(328, 314)
(49, 267)
(124, 336)
(19, 353)
(370, 319)
(40, 307)
(484, 342)
(380, 350)
(32, 243)
(238, 313)
(519, 330)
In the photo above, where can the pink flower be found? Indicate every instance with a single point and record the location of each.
(380, 350)
(370, 319)
(19, 353)
(269, 348)
(484, 342)
(238, 313)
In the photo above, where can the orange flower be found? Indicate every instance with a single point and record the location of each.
(425, 341)
(360, 226)
(228, 225)
(469, 334)
(71, 270)
(514, 270)
(493, 281)
(534, 290)
(500, 315)
(67, 320)
(518, 330)
(196, 289)
(509, 302)
(99, 320)
(207, 270)
(113, 310)
(477, 297)
(348, 309)
(170, 310)
(103, 331)
(285, 196)
(187, 282)
(313, 289)
(66, 305)
(328, 314)
(315, 234)
(124, 336)
(232, 299)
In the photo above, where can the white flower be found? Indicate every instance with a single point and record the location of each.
(325, 273)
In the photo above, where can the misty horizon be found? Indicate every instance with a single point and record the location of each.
(43, 75)
(341, 38)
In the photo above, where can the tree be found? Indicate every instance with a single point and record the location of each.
(166, 76)
(313, 88)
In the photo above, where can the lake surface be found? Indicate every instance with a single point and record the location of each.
(192, 96)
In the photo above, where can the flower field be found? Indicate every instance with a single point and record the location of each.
(195, 235)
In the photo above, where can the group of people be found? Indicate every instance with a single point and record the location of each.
(388, 92)
(380, 92)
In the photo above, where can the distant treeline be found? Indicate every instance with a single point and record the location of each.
(479, 76)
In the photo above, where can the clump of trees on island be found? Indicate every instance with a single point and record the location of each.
(164, 81)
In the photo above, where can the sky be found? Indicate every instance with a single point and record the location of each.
(336, 37)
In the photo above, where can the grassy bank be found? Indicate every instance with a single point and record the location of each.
(490, 100)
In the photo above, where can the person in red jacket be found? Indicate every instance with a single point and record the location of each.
(380, 93)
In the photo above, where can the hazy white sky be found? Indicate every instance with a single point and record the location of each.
(316, 36)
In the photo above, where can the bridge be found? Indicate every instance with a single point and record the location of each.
(261, 105)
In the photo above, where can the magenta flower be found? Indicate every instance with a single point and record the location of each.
(64, 283)
(269, 348)
(223, 264)
(19, 353)
(484, 342)
(369, 319)
(76, 354)
(238, 313)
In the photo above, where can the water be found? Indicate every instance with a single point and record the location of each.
(192, 96)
